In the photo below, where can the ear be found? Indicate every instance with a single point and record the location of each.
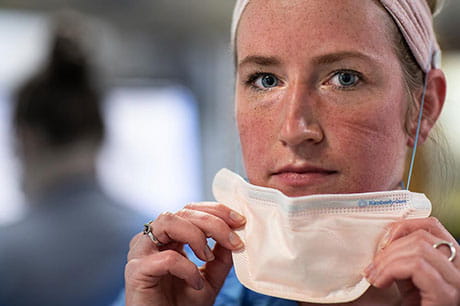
(434, 100)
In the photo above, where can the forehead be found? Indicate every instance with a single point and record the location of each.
(314, 27)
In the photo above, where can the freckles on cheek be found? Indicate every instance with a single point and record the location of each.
(373, 144)
(367, 128)
(254, 134)
(257, 138)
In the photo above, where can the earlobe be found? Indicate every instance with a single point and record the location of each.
(434, 100)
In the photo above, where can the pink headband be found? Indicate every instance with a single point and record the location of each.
(413, 18)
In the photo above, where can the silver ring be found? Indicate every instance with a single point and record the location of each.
(453, 251)
(148, 231)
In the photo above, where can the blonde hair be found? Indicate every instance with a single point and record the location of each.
(413, 77)
(435, 6)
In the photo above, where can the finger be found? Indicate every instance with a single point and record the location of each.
(448, 252)
(140, 246)
(215, 272)
(231, 217)
(430, 225)
(418, 246)
(425, 278)
(135, 240)
(403, 228)
(169, 227)
(214, 227)
(147, 271)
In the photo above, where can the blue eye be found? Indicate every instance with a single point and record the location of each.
(345, 79)
(266, 81)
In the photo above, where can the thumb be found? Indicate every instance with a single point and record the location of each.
(409, 293)
(216, 271)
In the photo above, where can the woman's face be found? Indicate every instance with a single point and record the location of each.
(320, 100)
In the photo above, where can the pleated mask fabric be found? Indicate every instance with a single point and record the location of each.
(312, 248)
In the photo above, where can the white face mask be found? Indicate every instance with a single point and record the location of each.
(312, 248)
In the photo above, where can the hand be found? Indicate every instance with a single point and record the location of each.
(424, 275)
(164, 275)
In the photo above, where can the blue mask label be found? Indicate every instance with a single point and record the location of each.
(365, 203)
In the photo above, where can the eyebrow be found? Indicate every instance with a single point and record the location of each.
(326, 59)
(260, 60)
(339, 56)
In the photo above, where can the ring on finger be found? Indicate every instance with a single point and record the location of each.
(148, 231)
(453, 250)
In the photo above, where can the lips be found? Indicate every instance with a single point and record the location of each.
(299, 176)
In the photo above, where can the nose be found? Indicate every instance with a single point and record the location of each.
(299, 123)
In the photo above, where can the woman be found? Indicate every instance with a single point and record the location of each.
(327, 100)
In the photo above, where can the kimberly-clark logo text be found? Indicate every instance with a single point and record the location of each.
(365, 203)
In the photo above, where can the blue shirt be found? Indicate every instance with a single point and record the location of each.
(70, 250)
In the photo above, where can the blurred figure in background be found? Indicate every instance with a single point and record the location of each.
(71, 248)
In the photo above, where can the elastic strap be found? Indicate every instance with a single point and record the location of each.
(417, 133)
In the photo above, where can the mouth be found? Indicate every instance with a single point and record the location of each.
(301, 176)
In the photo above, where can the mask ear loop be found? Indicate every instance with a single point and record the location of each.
(417, 132)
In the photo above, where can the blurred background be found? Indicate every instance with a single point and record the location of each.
(164, 127)
(167, 70)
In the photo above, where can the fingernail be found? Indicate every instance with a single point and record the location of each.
(368, 269)
(209, 254)
(371, 274)
(236, 217)
(235, 240)
(384, 241)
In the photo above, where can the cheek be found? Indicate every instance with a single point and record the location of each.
(255, 134)
(371, 143)
(367, 131)
(257, 131)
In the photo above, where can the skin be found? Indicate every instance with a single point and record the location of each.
(310, 134)
(307, 120)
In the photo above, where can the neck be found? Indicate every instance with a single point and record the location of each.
(53, 166)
